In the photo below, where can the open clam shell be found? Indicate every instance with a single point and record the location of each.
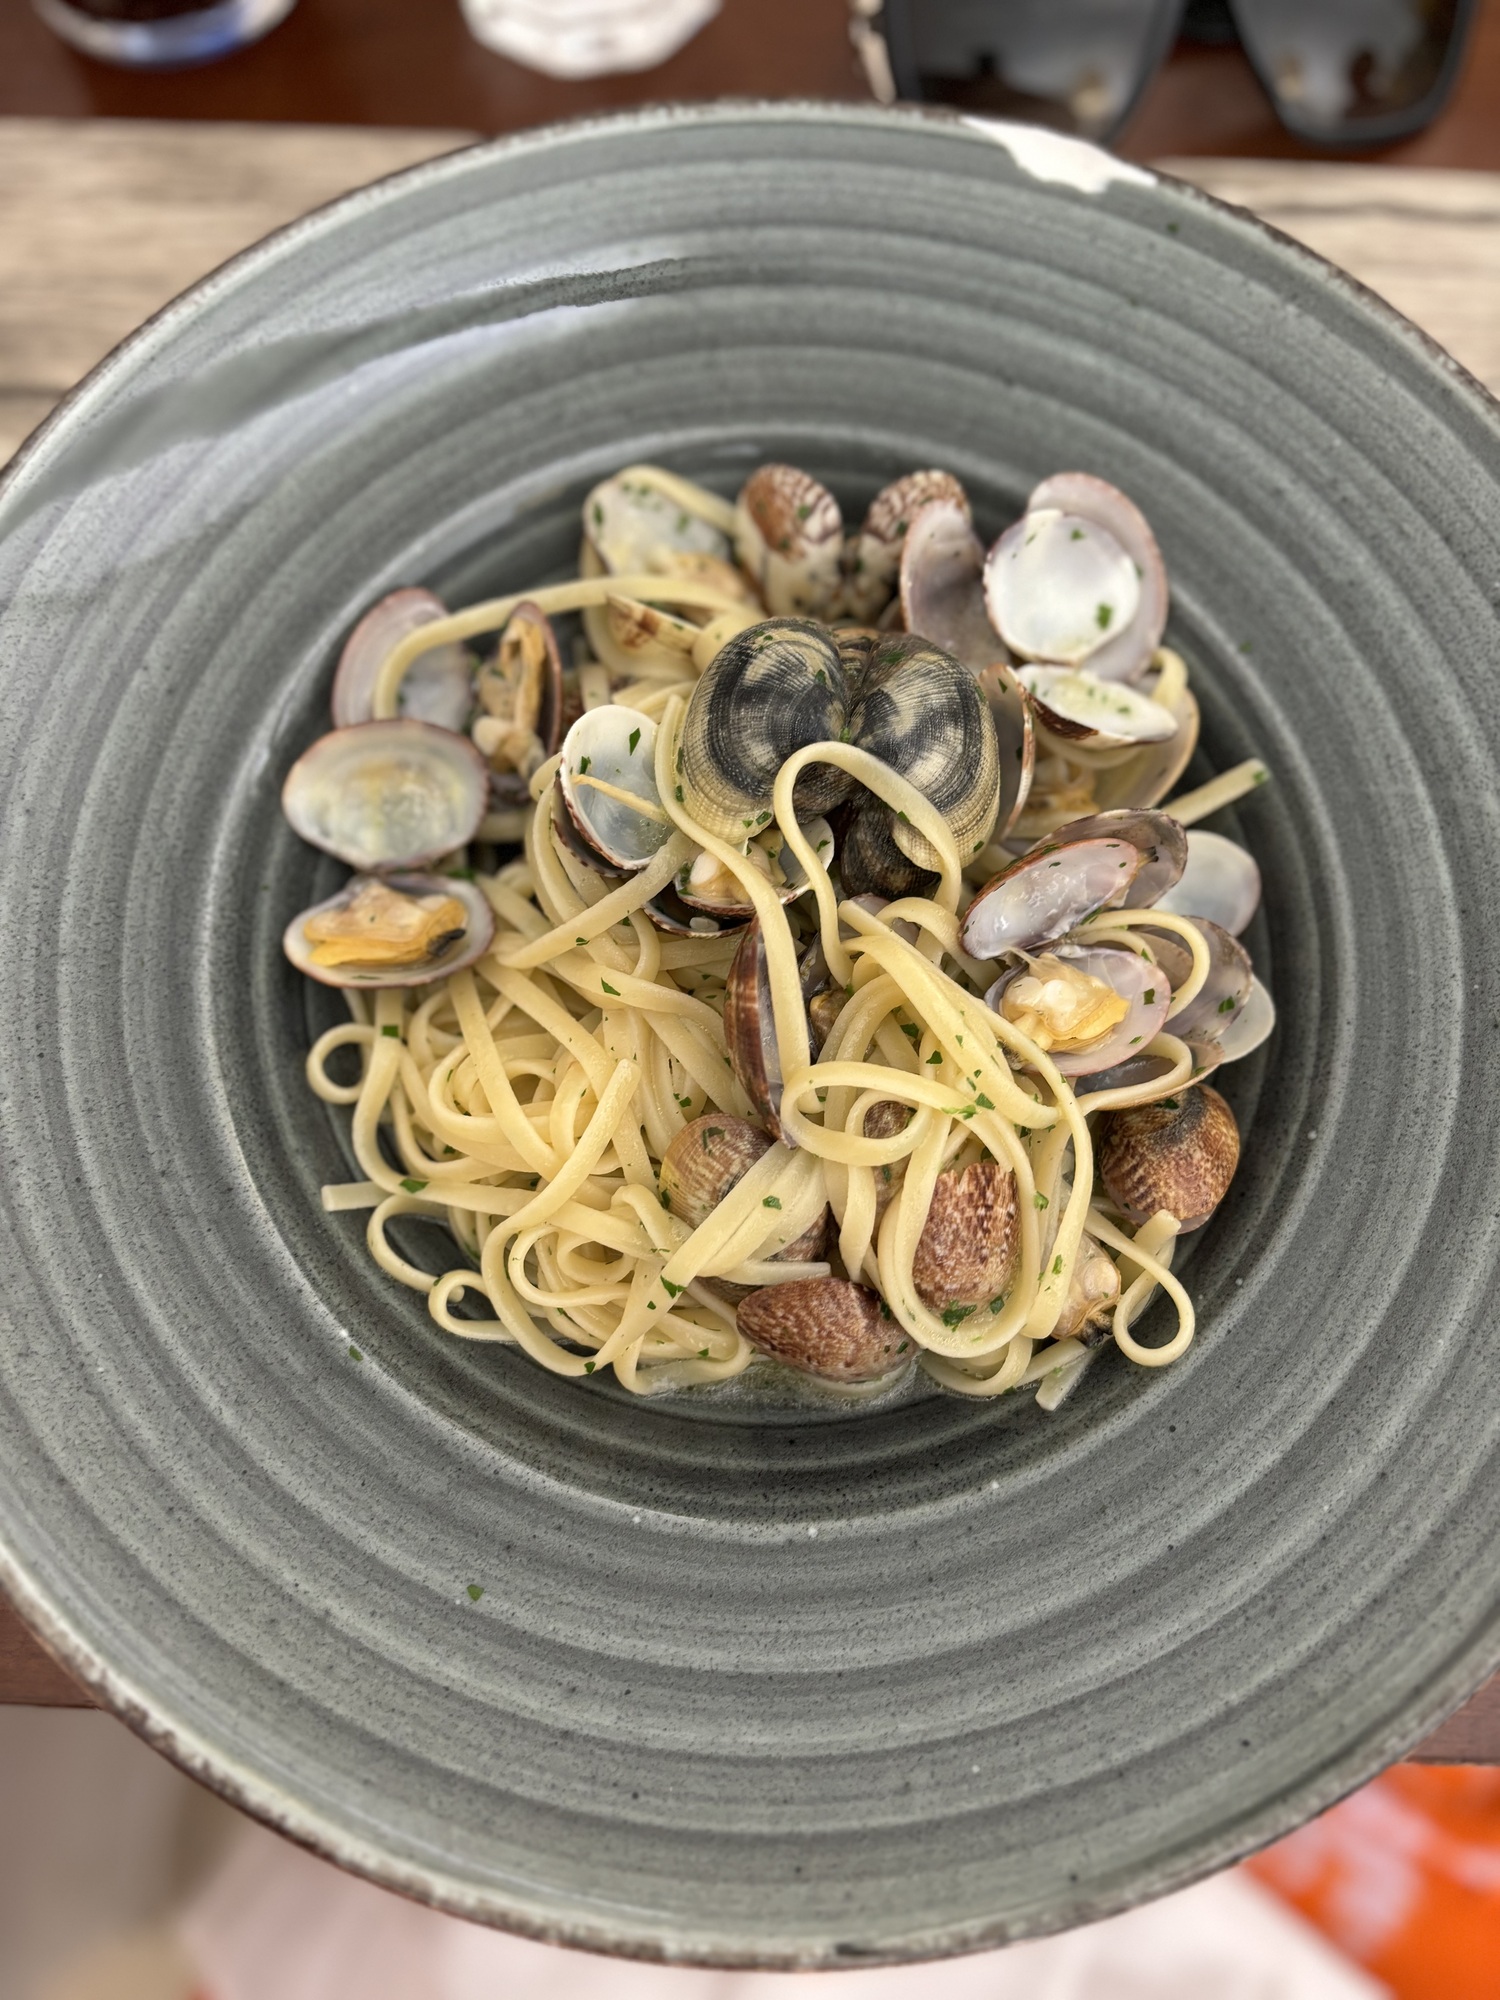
(1156, 769)
(942, 585)
(750, 1031)
(391, 930)
(789, 538)
(520, 692)
(609, 752)
(1158, 838)
(1057, 586)
(1127, 649)
(438, 686)
(633, 528)
(1075, 704)
(1225, 991)
(1220, 881)
(1143, 988)
(1253, 1024)
(386, 795)
(922, 713)
(1143, 1068)
(773, 689)
(1044, 894)
(873, 557)
(705, 885)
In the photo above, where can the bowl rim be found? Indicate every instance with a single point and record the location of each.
(1048, 158)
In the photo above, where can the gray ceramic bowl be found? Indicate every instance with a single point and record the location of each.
(770, 1688)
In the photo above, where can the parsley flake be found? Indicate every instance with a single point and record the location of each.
(771, 1201)
(1039, 1200)
(413, 1186)
(389, 1030)
(1103, 613)
(476, 1591)
(613, 991)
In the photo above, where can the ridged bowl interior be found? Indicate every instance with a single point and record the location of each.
(784, 1687)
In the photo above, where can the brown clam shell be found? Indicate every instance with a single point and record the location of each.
(870, 862)
(705, 1160)
(750, 1030)
(966, 1254)
(825, 1326)
(1178, 1154)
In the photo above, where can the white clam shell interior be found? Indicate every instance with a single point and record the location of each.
(1046, 893)
(1113, 714)
(384, 795)
(1058, 586)
(632, 527)
(616, 745)
(1221, 882)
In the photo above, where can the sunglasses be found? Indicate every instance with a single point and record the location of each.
(1339, 72)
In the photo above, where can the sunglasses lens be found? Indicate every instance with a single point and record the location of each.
(1343, 67)
(1076, 66)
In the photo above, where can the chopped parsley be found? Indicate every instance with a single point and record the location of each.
(413, 1186)
(1057, 1265)
(956, 1315)
(1103, 613)
(583, 766)
(389, 1030)
(613, 991)
(1226, 1006)
(672, 1291)
(983, 1102)
(771, 1201)
(1039, 1200)
(354, 1354)
(1150, 996)
(936, 1056)
(635, 737)
(476, 1591)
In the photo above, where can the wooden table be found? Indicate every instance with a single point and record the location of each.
(413, 63)
(101, 222)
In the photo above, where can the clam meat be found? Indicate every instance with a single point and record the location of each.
(1088, 1007)
(520, 695)
(401, 930)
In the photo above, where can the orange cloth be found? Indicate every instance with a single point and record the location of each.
(1405, 1878)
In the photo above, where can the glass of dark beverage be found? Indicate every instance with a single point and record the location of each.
(161, 34)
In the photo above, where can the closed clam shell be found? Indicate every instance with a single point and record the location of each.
(966, 1254)
(772, 690)
(1178, 1154)
(705, 1160)
(825, 1326)
(921, 712)
(789, 538)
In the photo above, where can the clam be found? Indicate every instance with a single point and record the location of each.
(1014, 717)
(773, 689)
(873, 558)
(668, 912)
(1088, 1007)
(1251, 1026)
(1220, 881)
(825, 1326)
(1156, 837)
(1043, 895)
(520, 691)
(942, 585)
(708, 1158)
(1139, 1069)
(384, 795)
(1223, 993)
(638, 628)
(870, 862)
(397, 930)
(923, 714)
(1106, 715)
(750, 1030)
(966, 1254)
(706, 884)
(789, 538)
(1093, 1292)
(1079, 578)
(633, 528)
(1155, 770)
(607, 784)
(438, 685)
(1178, 1154)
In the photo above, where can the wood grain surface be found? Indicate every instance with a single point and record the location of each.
(100, 224)
(413, 63)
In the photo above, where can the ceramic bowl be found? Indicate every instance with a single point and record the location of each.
(699, 1680)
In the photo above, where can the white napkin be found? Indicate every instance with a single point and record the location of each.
(577, 38)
